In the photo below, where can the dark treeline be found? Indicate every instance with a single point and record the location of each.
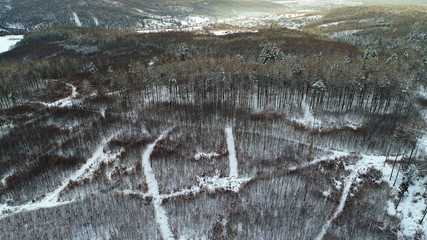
(234, 70)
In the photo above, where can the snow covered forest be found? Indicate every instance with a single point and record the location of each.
(269, 134)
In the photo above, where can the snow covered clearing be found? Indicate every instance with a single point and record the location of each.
(76, 19)
(211, 184)
(409, 211)
(201, 155)
(232, 182)
(322, 123)
(196, 20)
(308, 119)
(52, 199)
(65, 102)
(6, 42)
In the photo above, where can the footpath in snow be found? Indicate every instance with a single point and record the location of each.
(409, 210)
(153, 190)
(65, 102)
(52, 199)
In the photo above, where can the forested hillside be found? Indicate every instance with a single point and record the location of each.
(269, 134)
(24, 15)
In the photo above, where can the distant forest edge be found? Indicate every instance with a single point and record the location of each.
(17, 16)
(29, 15)
(271, 65)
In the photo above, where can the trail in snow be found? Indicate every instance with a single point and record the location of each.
(52, 198)
(230, 183)
(337, 154)
(201, 155)
(347, 186)
(362, 166)
(65, 102)
(211, 184)
(153, 190)
(3, 180)
(95, 20)
(231, 153)
(76, 19)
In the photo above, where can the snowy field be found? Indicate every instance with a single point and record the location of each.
(8, 41)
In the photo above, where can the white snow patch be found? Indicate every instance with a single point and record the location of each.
(410, 210)
(211, 184)
(330, 24)
(326, 193)
(102, 112)
(231, 153)
(231, 31)
(76, 19)
(338, 184)
(65, 102)
(16, 25)
(6, 42)
(95, 20)
(343, 33)
(184, 192)
(196, 19)
(308, 118)
(3, 180)
(323, 123)
(201, 155)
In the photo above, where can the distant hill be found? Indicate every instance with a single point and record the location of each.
(121, 14)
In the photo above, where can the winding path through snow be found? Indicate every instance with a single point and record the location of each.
(362, 166)
(52, 198)
(153, 190)
(336, 154)
(347, 186)
(65, 102)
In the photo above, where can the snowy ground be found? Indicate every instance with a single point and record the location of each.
(65, 102)
(52, 198)
(309, 121)
(8, 41)
(409, 210)
(315, 4)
